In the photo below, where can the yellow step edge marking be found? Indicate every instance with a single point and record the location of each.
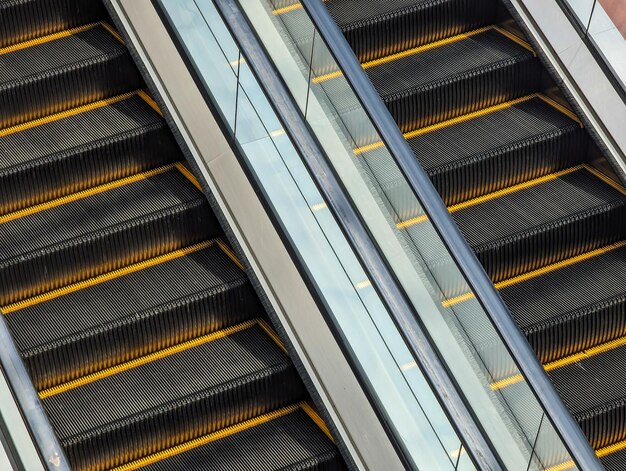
(105, 277)
(317, 419)
(289, 8)
(146, 359)
(188, 175)
(540, 271)
(451, 122)
(496, 194)
(65, 114)
(47, 38)
(61, 34)
(569, 360)
(229, 253)
(273, 335)
(609, 181)
(407, 53)
(206, 439)
(148, 99)
(515, 38)
(83, 194)
(513, 189)
(112, 31)
(600, 453)
(566, 111)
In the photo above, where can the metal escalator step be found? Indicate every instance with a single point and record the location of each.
(285, 439)
(592, 389)
(24, 20)
(490, 152)
(63, 73)
(100, 230)
(175, 396)
(138, 310)
(542, 222)
(455, 78)
(94, 144)
(613, 460)
(574, 307)
(388, 27)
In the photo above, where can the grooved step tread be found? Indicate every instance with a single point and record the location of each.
(380, 29)
(188, 294)
(63, 73)
(592, 389)
(291, 441)
(107, 141)
(543, 223)
(572, 308)
(101, 232)
(135, 412)
(455, 78)
(23, 20)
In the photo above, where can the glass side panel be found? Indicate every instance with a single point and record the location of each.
(396, 385)
(459, 327)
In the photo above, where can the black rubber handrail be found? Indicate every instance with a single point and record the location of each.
(478, 280)
(35, 418)
(403, 314)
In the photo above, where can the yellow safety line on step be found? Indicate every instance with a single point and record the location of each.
(112, 31)
(148, 99)
(48, 38)
(317, 419)
(65, 114)
(145, 359)
(105, 277)
(569, 360)
(600, 453)
(540, 271)
(407, 53)
(229, 253)
(206, 439)
(84, 194)
(451, 122)
(273, 335)
(609, 181)
(496, 194)
(515, 38)
(289, 8)
(188, 175)
(566, 111)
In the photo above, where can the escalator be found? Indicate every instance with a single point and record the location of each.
(522, 179)
(137, 323)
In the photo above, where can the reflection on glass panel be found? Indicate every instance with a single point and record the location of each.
(396, 384)
(456, 321)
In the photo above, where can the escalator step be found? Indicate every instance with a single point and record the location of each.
(542, 222)
(175, 396)
(490, 152)
(181, 295)
(592, 389)
(572, 308)
(613, 460)
(389, 27)
(63, 73)
(24, 20)
(100, 230)
(455, 78)
(96, 144)
(287, 439)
